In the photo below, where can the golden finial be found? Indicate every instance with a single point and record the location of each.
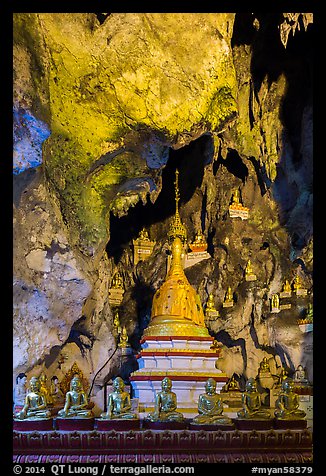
(176, 227)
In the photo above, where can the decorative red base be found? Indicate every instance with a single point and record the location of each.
(243, 424)
(193, 426)
(74, 424)
(290, 424)
(164, 425)
(33, 425)
(161, 447)
(118, 425)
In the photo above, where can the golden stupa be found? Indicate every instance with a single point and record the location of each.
(176, 308)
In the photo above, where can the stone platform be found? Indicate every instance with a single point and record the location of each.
(165, 425)
(164, 446)
(33, 425)
(247, 424)
(118, 425)
(193, 426)
(290, 424)
(74, 424)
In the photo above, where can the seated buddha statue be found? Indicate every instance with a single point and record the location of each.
(210, 306)
(264, 365)
(119, 405)
(35, 407)
(210, 407)
(300, 376)
(286, 287)
(231, 385)
(143, 235)
(123, 338)
(283, 375)
(76, 404)
(236, 198)
(251, 403)
(117, 281)
(287, 403)
(165, 407)
(228, 295)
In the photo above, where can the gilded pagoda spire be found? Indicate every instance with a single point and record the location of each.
(176, 309)
(177, 228)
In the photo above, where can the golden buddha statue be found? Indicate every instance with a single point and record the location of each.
(199, 243)
(176, 308)
(210, 305)
(275, 301)
(117, 281)
(210, 407)
(76, 404)
(228, 295)
(143, 235)
(123, 338)
(236, 197)
(228, 299)
(165, 407)
(297, 283)
(283, 375)
(119, 405)
(286, 287)
(264, 366)
(251, 403)
(116, 320)
(231, 385)
(287, 403)
(44, 388)
(249, 273)
(35, 407)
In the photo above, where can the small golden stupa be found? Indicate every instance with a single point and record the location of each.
(176, 308)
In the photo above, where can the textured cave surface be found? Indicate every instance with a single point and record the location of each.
(106, 110)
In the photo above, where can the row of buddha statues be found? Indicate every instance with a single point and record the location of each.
(210, 404)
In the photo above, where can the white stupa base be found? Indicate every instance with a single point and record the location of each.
(187, 361)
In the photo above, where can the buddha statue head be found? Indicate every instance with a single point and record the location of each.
(118, 384)
(34, 384)
(251, 385)
(166, 384)
(210, 386)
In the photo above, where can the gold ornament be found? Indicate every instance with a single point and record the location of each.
(177, 229)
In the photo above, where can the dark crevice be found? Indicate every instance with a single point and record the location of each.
(259, 174)
(234, 165)
(102, 17)
(243, 29)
